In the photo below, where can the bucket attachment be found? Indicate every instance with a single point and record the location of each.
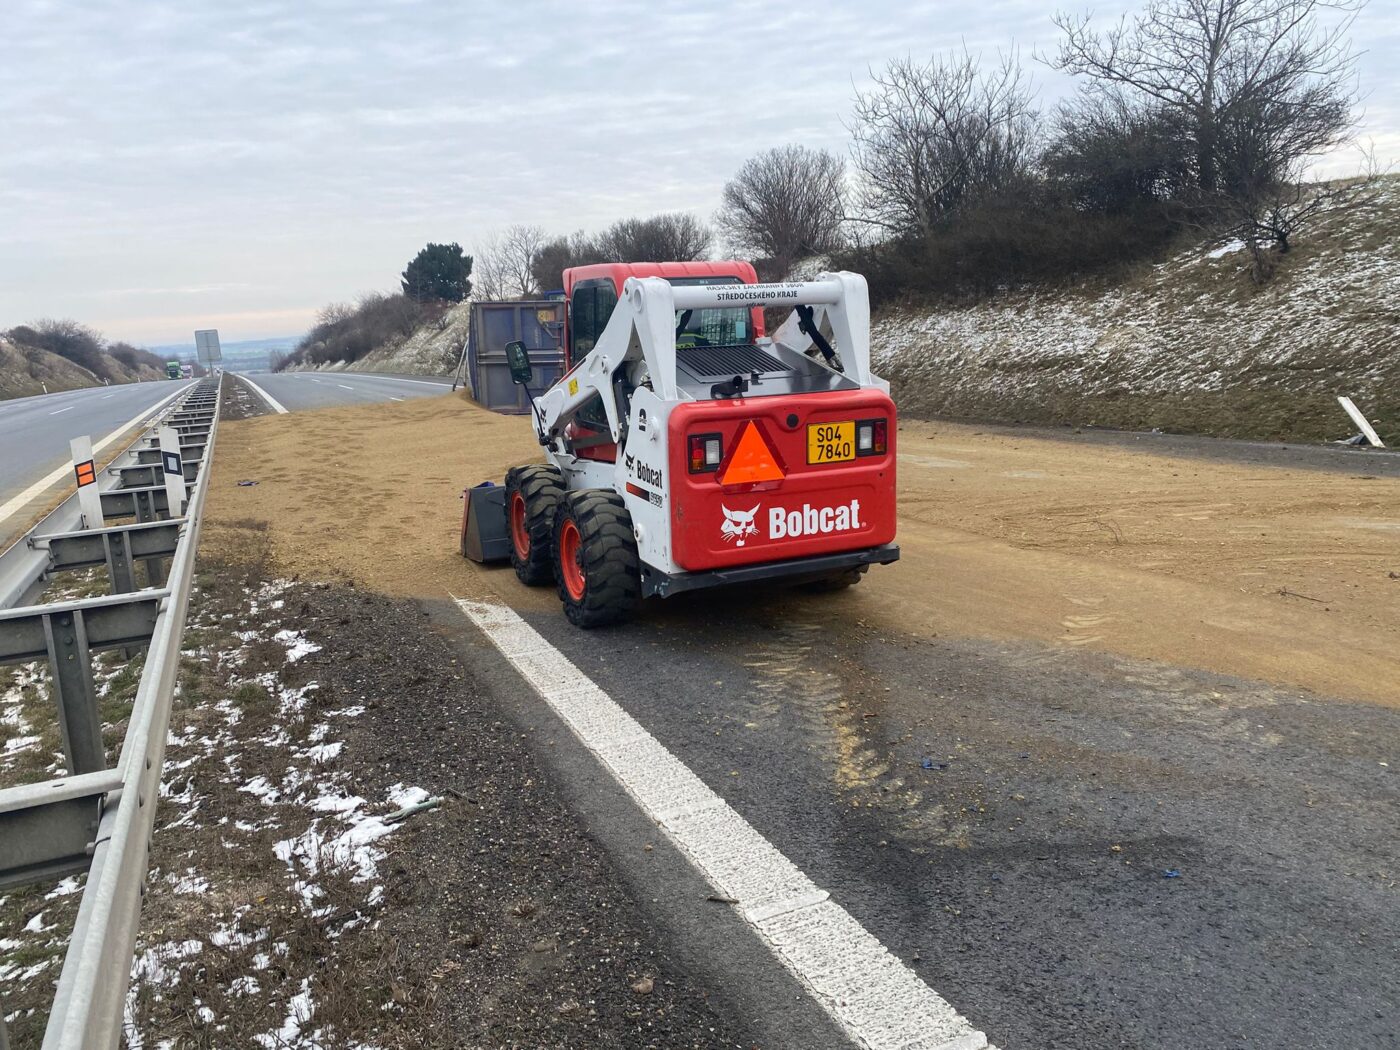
(485, 535)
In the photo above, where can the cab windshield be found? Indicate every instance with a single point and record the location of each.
(718, 326)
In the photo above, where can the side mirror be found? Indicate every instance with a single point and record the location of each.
(518, 358)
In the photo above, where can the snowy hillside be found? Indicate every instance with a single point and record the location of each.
(432, 349)
(1189, 344)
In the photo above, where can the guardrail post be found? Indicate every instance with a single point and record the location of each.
(146, 511)
(120, 573)
(119, 568)
(71, 665)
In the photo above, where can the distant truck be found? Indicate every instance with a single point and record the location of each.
(187, 371)
(173, 370)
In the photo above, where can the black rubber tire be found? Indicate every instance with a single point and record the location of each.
(541, 487)
(612, 572)
(836, 581)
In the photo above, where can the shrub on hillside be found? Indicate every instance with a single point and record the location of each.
(134, 358)
(1034, 235)
(346, 332)
(68, 339)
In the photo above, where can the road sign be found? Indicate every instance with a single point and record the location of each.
(206, 345)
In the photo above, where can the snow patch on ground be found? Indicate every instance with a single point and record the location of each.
(298, 645)
(1228, 248)
(72, 884)
(347, 845)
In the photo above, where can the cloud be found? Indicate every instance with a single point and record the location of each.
(257, 160)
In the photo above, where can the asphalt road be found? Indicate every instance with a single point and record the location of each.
(302, 390)
(35, 431)
(1075, 849)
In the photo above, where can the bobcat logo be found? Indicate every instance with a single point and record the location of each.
(738, 524)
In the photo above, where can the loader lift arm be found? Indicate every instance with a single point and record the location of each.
(643, 330)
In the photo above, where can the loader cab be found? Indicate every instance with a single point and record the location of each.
(592, 293)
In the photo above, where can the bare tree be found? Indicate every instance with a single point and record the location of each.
(1263, 88)
(671, 237)
(930, 136)
(559, 254)
(506, 264)
(1114, 155)
(784, 204)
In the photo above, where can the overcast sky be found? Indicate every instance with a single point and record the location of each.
(207, 163)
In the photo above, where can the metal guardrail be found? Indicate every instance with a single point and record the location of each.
(96, 819)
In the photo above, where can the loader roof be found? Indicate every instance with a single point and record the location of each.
(619, 272)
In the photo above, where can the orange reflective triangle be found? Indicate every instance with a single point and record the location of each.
(752, 460)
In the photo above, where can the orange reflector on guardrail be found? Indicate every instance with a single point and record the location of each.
(86, 472)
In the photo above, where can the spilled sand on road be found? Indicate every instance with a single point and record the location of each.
(1279, 575)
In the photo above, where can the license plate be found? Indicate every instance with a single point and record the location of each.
(831, 442)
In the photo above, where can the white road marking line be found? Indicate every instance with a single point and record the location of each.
(104, 397)
(880, 1002)
(58, 410)
(395, 399)
(315, 380)
(55, 476)
(344, 387)
(272, 402)
(396, 379)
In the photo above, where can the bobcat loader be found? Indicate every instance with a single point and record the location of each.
(686, 450)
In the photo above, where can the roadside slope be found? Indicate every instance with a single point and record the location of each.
(432, 349)
(1187, 345)
(26, 371)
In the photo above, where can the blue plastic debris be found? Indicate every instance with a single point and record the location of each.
(929, 763)
(1171, 873)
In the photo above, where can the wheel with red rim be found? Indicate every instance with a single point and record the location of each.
(519, 530)
(570, 571)
(595, 558)
(532, 496)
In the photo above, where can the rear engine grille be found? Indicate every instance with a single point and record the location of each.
(722, 362)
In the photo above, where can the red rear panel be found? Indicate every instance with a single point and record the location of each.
(820, 508)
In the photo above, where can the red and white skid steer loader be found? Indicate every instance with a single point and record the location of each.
(685, 449)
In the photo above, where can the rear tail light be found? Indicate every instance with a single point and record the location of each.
(706, 450)
(872, 437)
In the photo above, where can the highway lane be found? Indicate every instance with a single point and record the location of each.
(1075, 849)
(303, 390)
(35, 431)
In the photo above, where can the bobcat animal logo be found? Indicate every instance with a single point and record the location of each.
(738, 524)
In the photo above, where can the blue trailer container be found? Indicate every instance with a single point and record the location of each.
(539, 324)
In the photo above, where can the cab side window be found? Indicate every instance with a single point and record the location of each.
(590, 306)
